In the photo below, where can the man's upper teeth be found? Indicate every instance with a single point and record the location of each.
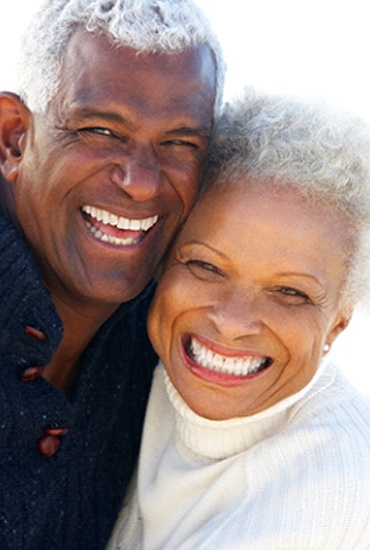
(239, 366)
(107, 218)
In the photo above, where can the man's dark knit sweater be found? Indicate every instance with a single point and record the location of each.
(69, 500)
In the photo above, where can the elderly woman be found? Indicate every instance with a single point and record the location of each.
(253, 440)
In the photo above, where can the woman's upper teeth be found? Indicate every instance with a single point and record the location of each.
(107, 218)
(239, 366)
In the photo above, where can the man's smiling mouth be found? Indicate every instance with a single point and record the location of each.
(107, 227)
(224, 364)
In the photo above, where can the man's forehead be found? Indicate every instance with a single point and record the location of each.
(97, 76)
(92, 46)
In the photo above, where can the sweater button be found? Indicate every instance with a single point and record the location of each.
(30, 374)
(35, 333)
(49, 445)
(49, 442)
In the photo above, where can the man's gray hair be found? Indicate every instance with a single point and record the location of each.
(155, 26)
(322, 153)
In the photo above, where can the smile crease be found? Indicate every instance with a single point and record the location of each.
(237, 366)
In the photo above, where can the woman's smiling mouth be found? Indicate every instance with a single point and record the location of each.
(235, 366)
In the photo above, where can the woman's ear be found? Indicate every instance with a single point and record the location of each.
(338, 327)
(14, 123)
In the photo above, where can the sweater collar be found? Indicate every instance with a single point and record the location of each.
(220, 439)
(26, 301)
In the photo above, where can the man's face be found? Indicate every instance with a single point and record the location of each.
(111, 170)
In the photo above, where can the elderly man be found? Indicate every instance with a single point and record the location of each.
(101, 155)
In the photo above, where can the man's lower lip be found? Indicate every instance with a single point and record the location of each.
(217, 378)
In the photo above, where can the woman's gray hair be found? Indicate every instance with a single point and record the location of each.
(322, 153)
(155, 26)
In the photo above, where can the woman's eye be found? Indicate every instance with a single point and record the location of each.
(294, 295)
(203, 270)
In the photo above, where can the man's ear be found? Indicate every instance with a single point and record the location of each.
(14, 122)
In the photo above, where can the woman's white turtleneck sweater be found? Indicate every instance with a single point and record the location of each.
(293, 477)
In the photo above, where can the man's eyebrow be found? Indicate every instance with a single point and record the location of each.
(190, 132)
(87, 113)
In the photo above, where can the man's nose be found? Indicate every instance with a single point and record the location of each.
(236, 315)
(138, 175)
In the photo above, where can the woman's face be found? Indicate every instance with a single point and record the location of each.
(248, 299)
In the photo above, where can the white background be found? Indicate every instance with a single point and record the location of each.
(309, 48)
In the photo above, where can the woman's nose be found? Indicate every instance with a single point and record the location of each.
(236, 315)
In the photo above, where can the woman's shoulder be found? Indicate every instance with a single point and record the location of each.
(334, 401)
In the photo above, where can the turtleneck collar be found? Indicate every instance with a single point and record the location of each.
(224, 438)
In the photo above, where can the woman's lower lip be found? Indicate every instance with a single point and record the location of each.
(217, 378)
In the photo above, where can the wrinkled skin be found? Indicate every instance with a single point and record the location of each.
(255, 276)
(126, 134)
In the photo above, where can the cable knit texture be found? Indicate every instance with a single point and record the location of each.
(70, 500)
(293, 477)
